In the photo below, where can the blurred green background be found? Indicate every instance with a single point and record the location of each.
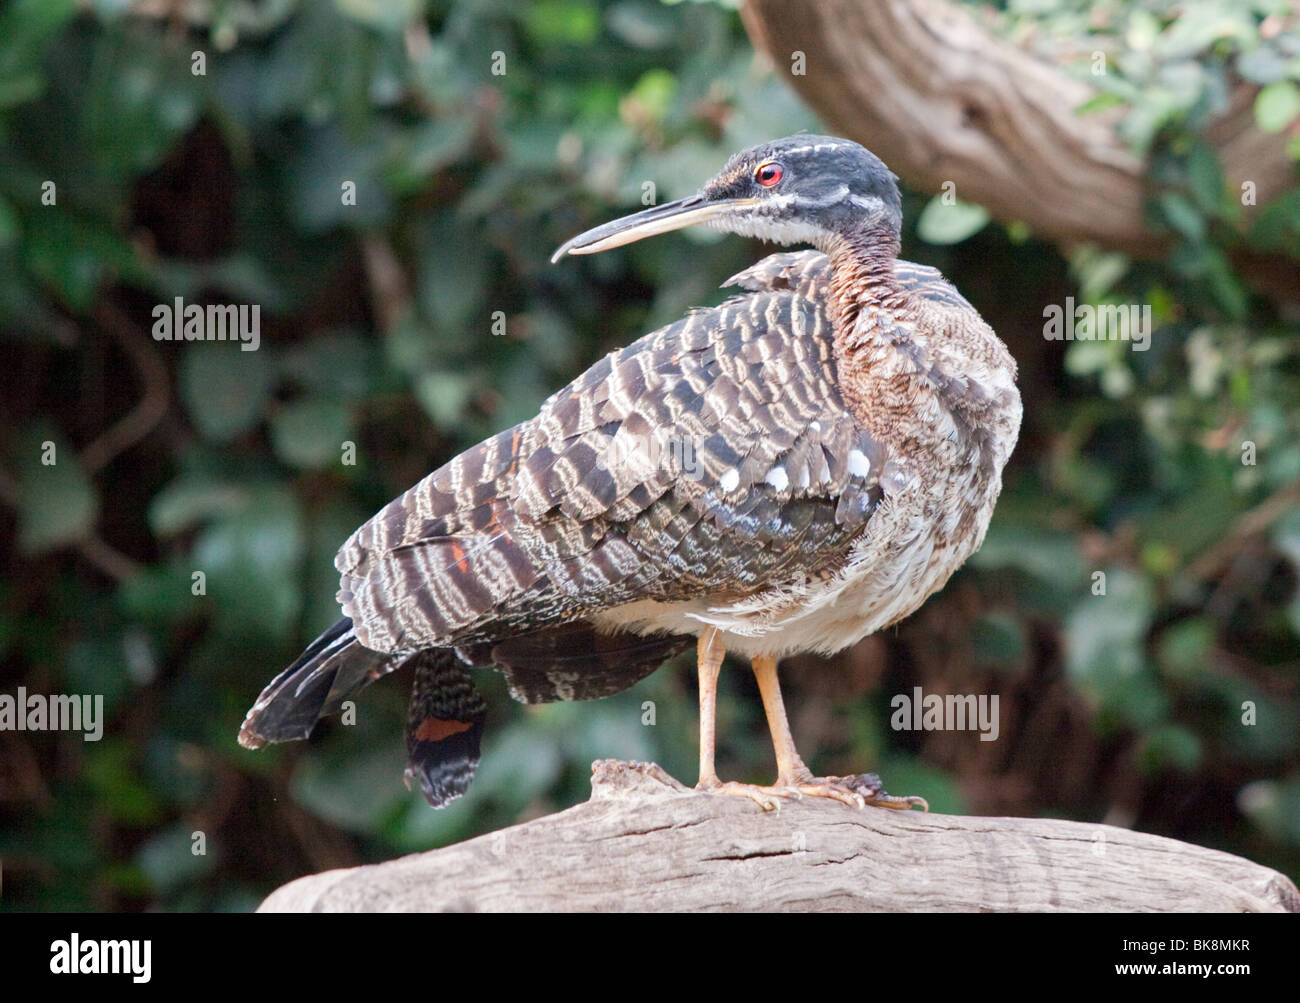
(377, 329)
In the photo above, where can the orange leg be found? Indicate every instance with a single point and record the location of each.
(709, 655)
(794, 779)
(789, 767)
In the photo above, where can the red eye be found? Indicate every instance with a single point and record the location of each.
(768, 174)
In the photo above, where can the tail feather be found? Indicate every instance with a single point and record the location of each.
(334, 667)
(444, 726)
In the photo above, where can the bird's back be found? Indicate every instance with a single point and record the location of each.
(644, 477)
(711, 461)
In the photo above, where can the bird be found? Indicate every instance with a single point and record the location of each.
(790, 471)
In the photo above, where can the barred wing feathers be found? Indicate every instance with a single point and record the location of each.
(713, 457)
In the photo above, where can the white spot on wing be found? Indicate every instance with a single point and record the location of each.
(859, 465)
(730, 480)
(778, 478)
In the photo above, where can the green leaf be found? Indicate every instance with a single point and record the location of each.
(26, 28)
(355, 792)
(998, 639)
(75, 252)
(1286, 537)
(57, 502)
(225, 389)
(382, 15)
(1183, 216)
(1170, 745)
(1276, 105)
(251, 558)
(1098, 271)
(654, 93)
(642, 26)
(454, 279)
(116, 785)
(1098, 102)
(1205, 177)
(559, 22)
(332, 364)
(9, 226)
(327, 158)
(1105, 633)
(443, 397)
(1277, 226)
(951, 223)
(189, 501)
(1050, 556)
(427, 150)
(169, 860)
(1186, 647)
(310, 433)
(1263, 65)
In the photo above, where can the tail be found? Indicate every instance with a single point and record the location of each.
(334, 667)
(444, 726)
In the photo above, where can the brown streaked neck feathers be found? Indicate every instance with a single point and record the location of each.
(862, 266)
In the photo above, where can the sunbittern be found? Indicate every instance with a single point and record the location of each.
(790, 471)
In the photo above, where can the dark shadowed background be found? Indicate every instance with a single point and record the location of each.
(479, 136)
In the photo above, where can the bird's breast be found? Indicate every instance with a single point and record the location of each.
(946, 412)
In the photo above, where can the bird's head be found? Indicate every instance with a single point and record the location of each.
(799, 190)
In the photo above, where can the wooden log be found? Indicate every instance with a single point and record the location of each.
(645, 842)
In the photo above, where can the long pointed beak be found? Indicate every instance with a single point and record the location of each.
(649, 222)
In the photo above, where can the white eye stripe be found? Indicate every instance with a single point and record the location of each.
(815, 148)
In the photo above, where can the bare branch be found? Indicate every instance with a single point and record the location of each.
(646, 843)
(154, 397)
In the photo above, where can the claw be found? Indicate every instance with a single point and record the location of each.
(761, 796)
(856, 791)
(872, 791)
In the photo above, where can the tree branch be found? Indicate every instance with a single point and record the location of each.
(940, 98)
(646, 843)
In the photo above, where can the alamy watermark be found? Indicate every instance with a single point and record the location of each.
(60, 712)
(645, 455)
(1107, 322)
(179, 321)
(76, 956)
(949, 712)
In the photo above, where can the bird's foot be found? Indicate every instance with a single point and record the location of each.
(859, 790)
(762, 796)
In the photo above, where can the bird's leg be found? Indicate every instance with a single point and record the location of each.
(790, 769)
(793, 777)
(709, 654)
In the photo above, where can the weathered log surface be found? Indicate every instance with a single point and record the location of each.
(644, 842)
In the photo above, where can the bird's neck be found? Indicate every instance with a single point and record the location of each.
(863, 281)
(872, 318)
